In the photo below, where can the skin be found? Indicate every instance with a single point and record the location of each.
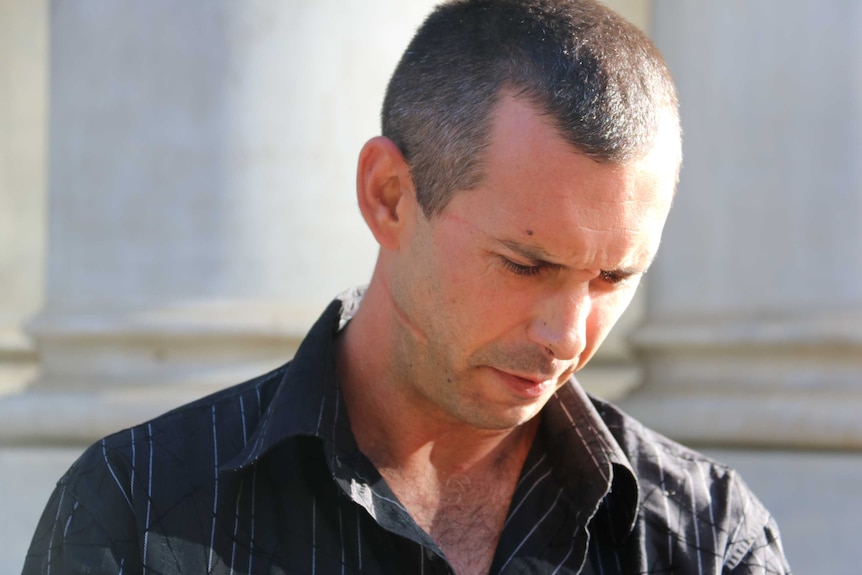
(475, 317)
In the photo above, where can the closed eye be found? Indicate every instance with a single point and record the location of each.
(616, 277)
(520, 269)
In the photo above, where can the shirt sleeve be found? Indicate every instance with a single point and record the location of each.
(766, 555)
(88, 524)
(755, 546)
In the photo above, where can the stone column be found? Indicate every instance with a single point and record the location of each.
(754, 322)
(202, 207)
(23, 76)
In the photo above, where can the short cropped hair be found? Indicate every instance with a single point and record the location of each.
(599, 79)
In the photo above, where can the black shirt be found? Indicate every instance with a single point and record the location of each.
(266, 477)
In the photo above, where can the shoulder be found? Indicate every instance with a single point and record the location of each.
(652, 454)
(162, 468)
(691, 496)
(223, 420)
(180, 447)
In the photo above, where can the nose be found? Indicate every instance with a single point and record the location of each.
(560, 323)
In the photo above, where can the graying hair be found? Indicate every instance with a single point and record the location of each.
(597, 77)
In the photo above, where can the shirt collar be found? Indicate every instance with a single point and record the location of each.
(306, 400)
(307, 403)
(589, 460)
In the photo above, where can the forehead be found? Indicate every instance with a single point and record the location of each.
(538, 190)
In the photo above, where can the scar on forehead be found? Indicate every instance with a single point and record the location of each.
(529, 232)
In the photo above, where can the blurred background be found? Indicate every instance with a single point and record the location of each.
(177, 207)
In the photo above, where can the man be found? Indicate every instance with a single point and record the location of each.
(430, 423)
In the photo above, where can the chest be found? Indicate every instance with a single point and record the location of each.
(305, 523)
(464, 516)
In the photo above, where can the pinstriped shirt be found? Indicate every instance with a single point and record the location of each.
(266, 477)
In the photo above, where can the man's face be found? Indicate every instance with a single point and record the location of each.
(514, 285)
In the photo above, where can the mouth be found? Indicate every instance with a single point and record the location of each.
(526, 386)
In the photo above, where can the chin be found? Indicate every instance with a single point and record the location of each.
(501, 421)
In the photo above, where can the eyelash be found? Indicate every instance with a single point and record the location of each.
(521, 270)
(612, 278)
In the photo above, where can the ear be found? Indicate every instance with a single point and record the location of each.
(384, 189)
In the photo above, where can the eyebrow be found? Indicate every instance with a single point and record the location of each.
(537, 256)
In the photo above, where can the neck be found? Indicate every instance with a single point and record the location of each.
(397, 432)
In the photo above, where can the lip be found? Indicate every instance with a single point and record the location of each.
(525, 385)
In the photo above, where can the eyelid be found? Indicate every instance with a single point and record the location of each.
(618, 277)
(529, 253)
(534, 265)
(530, 269)
(529, 260)
(613, 277)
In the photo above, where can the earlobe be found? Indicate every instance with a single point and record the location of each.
(383, 184)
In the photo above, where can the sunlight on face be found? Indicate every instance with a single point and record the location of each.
(513, 286)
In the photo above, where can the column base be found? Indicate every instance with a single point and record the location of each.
(211, 344)
(18, 361)
(786, 383)
(54, 418)
(779, 420)
(99, 373)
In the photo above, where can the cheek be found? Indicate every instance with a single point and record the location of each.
(480, 305)
(607, 310)
(458, 273)
(475, 299)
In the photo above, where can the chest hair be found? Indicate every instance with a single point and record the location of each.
(463, 515)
